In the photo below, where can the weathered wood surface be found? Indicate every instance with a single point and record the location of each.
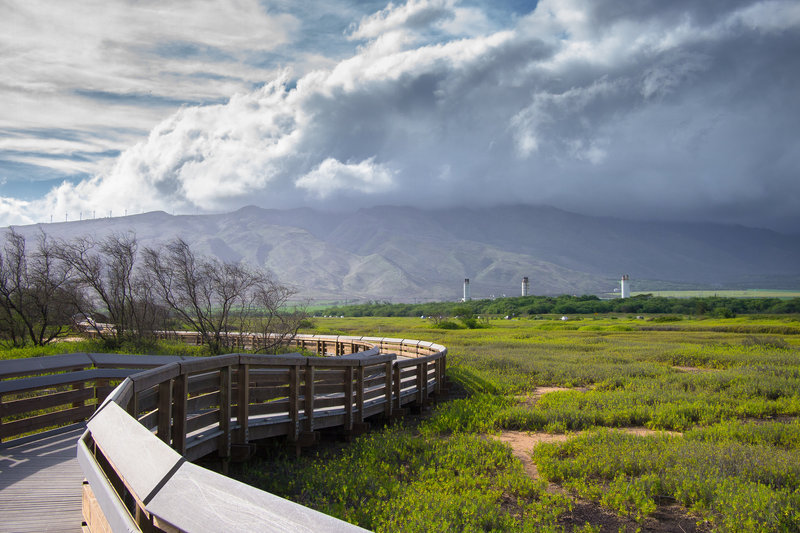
(40, 483)
(211, 403)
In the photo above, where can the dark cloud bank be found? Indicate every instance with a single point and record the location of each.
(651, 110)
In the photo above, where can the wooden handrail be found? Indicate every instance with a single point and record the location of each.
(218, 405)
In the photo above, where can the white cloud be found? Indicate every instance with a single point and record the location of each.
(414, 14)
(675, 111)
(333, 176)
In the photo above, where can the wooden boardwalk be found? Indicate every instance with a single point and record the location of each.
(186, 408)
(40, 483)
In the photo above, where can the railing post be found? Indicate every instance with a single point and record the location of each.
(348, 398)
(420, 382)
(179, 413)
(397, 385)
(133, 405)
(243, 405)
(225, 411)
(387, 385)
(99, 384)
(164, 410)
(309, 397)
(437, 386)
(359, 394)
(294, 401)
(79, 386)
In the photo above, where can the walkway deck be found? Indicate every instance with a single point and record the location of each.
(40, 483)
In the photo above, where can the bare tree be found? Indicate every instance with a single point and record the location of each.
(206, 294)
(107, 270)
(37, 292)
(221, 301)
(271, 316)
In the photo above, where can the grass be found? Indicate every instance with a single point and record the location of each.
(731, 386)
(749, 293)
(415, 481)
(729, 389)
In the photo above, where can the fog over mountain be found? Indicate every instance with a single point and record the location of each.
(403, 253)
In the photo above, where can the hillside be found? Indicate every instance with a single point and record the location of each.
(403, 253)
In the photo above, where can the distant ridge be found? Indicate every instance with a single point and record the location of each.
(402, 253)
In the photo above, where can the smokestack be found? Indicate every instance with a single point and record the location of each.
(624, 287)
(525, 286)
(467, 296)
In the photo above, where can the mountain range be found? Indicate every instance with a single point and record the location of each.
(405, 254)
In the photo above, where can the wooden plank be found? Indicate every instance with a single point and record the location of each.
(149, 420)
(202, 402)
(329, 362)
(40, 483)
(196, 499)
(328, 401)
(195, 422)
(273, 360)
(371, 394)
(13, 386)
(203, 364)
(263, 379)
(17, 427)
(379, 379)
(114, 360)
(114, 512)
(151, 378)
(44, 365)
(323, 376)
(27, 405)
(279, 406)
(203, 383)
(147, 400)
(328, 389)
(263, 394)
(127, 446)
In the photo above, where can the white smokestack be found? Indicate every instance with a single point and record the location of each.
(525, 286)
(624, 287)
(467, 296)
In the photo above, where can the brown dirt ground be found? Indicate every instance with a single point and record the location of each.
(693, 369)
(669, 517)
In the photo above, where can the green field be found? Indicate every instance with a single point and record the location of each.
(666, 423)
(749, 293)
(690, 422)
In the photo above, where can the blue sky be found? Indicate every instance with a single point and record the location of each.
(678, 110)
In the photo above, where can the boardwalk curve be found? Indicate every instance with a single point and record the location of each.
(145, 426)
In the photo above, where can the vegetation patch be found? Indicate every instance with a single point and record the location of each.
(401, 480)
(733, 481)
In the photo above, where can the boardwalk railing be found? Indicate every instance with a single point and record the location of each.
(142, 432)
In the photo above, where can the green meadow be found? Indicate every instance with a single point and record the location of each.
(691, 419)
(658, 423)
(748, 293)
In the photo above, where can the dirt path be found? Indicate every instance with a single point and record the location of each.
(669, 518)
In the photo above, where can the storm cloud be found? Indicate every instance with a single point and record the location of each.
(672, 110)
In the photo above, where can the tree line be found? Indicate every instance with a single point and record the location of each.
(52, 288)
(587, 304)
